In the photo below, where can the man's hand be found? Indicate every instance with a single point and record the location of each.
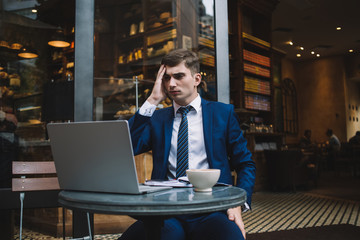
(158, 94)
(234, 214)
(11, 118)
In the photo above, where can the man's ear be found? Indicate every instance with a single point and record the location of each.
(197, 79)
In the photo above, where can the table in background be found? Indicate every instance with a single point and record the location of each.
(154, 208)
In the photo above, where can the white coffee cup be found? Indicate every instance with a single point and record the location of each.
(203, 179)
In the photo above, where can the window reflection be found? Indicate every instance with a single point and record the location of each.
(130, 41)
(36, 87)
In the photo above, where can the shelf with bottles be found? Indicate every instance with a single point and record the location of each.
(161, 37)
(248, 38)
(256, 53)
(121, 97)
(160, 49)
(168, 25)
(61, 63)
(206, 41)
(257, 102)
(133, 56)
(255, 58)
(157, 45)
(256, 85)
(207, 57)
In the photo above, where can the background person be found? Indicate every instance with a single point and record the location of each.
(333, 148)
(355, 140)
(305, 141)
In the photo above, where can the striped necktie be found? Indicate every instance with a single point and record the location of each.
(182, 143)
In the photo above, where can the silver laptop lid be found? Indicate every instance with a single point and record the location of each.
(94, 156)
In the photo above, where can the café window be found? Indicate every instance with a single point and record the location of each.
(36, 85)
(130, 39)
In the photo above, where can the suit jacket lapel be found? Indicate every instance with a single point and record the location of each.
(168, 126)
(207, 115)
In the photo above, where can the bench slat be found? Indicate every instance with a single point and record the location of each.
(46, 167)
(35, 184)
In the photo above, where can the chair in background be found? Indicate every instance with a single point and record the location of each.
(286, 169)
(345, 162)
(34, 177)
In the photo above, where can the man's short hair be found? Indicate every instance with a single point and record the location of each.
(329, 132)
(177, 56)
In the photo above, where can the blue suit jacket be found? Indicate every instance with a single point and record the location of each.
(224, 142)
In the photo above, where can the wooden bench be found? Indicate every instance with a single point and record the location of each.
(38, 180)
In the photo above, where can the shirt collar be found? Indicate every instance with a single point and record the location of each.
(196, 104)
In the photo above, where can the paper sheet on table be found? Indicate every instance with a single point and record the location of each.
(168, 183)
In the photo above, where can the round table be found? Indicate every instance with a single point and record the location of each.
(153, 208)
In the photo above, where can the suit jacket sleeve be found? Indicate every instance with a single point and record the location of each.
(140, 129)
(240, 156)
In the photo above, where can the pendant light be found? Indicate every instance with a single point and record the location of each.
(59, 39)
(27, 52)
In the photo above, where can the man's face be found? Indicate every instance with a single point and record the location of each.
(180, 84)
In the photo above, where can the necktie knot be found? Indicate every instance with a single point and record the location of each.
(184, 110)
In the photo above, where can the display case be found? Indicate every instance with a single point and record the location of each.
(61, 64)
(119, 98)
(251, 61)
(132, 37)
(28, 108)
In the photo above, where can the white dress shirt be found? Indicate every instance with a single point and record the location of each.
(197, 151)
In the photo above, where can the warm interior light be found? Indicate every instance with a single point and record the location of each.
(298, 55)
(28, 53)
(351, 50)
(312, 52)
(318, 55)
(34, 10)
(338, 28)
(16, 46)
(301, 48)
(59, 43)
(59, 40)
(291, 43)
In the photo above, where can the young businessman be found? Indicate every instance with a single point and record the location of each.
(214, 141)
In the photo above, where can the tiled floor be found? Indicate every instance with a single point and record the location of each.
(335, 201)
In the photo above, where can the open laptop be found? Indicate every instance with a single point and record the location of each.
(96, 157)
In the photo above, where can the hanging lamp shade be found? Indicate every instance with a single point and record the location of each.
(16, 46)
(27, 52)
(58, 39)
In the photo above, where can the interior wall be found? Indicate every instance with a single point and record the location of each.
(352, 108)
(321, 96)
(352, 64)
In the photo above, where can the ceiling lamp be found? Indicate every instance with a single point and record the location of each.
(27, 52)
(59, 39)
(16, 46)
(4, 44)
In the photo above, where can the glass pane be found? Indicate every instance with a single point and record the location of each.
(34, 86)
(131, 37)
